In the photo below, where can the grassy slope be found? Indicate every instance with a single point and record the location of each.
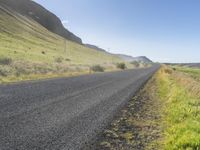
(26, 42)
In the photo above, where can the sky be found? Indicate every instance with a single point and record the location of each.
(163, 30)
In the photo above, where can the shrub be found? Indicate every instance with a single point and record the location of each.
(59, 59)
(67, 59)
(135, 63)
(97, 68)
(121, 66)
(43, 52)
(5, 61)
(5, 71)
(20, 70)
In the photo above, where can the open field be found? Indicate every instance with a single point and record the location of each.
(165, 114)
(193, 72)
(30, 51)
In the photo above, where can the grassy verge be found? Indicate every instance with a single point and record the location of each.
(165, 114)
(181, 115)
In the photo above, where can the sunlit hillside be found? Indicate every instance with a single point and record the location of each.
(26, 47)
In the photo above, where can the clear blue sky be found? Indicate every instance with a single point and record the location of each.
(163, 30)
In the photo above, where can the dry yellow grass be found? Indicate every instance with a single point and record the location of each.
(188, 82)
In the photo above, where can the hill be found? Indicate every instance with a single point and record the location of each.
(128, 58)
(29, 50)
(36, 12)
(95, 47)
(192, 65)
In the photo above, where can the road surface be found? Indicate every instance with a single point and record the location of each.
(64, 113)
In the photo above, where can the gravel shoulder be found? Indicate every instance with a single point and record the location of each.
(137, 126)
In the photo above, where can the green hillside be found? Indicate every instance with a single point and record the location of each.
(28, 50)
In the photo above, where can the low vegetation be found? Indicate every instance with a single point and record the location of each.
(59, 60)
(121, 66)
(165, 114)
(193, 72)
(135, 64)
(5, 61)
(97, 68)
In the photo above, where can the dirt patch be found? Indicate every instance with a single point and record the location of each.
(137, 126)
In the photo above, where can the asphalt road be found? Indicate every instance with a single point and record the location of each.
(65, 113)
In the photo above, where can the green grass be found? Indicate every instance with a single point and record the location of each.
(164, 115)
(193, 72)
(34, 51)
(181, 116)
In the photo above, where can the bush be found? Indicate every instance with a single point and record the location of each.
(21, 71)
(97, 68)
(5, 71)
(59, 60)
(67, 59)
(135, 63)
(43, 52)
(5, 61)
(121, 66)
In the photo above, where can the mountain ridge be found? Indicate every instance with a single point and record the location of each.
(95, 47)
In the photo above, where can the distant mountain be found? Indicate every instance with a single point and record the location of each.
(122, 56)
(95, 47)
(194, 65)
(142, 59)
(138, 59)
(41, 15)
